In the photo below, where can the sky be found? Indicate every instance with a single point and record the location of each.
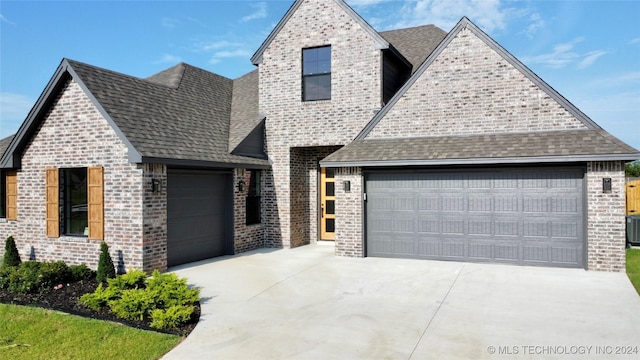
(589, 51)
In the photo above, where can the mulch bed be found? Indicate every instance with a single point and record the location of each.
(66, 300)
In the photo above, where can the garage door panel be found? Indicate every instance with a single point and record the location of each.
(525, 216)
(196, 215)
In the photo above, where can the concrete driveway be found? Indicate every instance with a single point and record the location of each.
(305, 303)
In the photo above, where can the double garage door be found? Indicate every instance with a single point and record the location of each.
(197, 215)
(530, 216)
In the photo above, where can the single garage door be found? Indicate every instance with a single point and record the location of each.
(530, 216)
(196, 215)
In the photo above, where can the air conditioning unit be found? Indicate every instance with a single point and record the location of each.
(633, 230)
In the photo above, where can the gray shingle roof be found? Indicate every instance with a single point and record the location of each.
(181, 113)
(415, 43)
(4, 144)
(244, 108)
(578, 145)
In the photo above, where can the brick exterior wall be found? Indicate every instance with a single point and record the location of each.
(74, 134)
(291, 122)
(349, 213)
(246, 237)
(471, 89)
(154, 235)
(606, 217)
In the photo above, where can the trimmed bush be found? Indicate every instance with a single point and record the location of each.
(164, 298)
(11, 256)
(52, 274)
(6, 273)
(81, 272)
(106, 270)
(26, 278)
(171, 317)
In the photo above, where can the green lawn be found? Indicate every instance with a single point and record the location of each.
(34, 333)
(633, 267)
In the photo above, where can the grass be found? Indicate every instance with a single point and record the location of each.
(633, 267)
(35, 333)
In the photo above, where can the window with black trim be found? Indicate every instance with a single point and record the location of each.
(316, 73)
(74, 202)
(253, 197)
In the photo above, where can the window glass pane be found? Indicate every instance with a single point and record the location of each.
(330, 173)
(74, 197)
(317, 87)
(309, 68)
(331, 207)
(309, 55)
(323, 67)
(330, 189)
(330, 225)
(323, 53)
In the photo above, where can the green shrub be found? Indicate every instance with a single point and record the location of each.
(52, 274)
(11, 256)
(133, 304)
(26, 279)
(81, 272)
(171, 317)
(99, 298)
(106, 270)
(170, 291)
(164, 298)
(134, 279)
(5, 276)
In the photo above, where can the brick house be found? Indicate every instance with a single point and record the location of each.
(406, 143)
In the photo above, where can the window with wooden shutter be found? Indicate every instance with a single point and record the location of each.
(12, 194)
(52, 198)
(96, 203)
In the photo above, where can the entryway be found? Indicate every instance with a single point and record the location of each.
(327, 204)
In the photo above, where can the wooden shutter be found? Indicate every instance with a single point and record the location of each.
(53, 198)
(96, 203)
(12, 194)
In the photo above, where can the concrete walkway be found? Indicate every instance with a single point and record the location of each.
(305, 303)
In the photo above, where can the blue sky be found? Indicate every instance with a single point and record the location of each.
(589, 51)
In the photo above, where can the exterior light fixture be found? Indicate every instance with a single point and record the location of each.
(240, 185)
(156, 185)
(606, 185)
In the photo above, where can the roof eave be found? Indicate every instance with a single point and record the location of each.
(256, 164)
(482, 161)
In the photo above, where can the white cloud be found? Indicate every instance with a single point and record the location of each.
(169, 22)
(259, 13)
(364, 3)
(5, 20)
(590, 58)
(536, 24)
(13, 111)
(631, 78)
(216, 45)
(487, 14)
(219, 55)
(634, 41)
(168, 58)
(561, 56)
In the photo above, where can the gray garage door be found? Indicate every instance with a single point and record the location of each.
(523, 216)
(196, 215)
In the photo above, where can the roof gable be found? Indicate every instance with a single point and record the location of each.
(380, 41)
(466, 24)
(179, 116)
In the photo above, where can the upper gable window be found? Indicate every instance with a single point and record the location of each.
(316, 73)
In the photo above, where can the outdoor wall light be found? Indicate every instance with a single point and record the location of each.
(156, 185)
(240, 185)
(347, 186)
(606, 185)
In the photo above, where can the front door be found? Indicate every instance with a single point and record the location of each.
(327, 204)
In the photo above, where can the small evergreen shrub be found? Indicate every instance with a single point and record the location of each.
(99, 298)
(81, 272)
(134, 279)
(26, 279)
(106, 270)
(164, 298)
(5, 276)
(133, 304)
(11, 256)
(171, 317)
(52, 274)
